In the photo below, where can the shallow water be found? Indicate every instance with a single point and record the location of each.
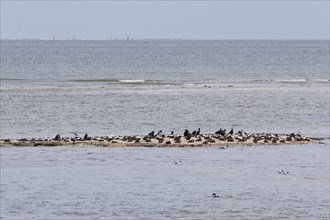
(134, 87)
(283, 110)
(144, 183)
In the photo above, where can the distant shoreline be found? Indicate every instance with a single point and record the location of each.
(151, 39)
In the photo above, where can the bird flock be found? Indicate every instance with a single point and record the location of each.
(186, 138)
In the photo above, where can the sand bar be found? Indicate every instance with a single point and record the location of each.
(161, 140)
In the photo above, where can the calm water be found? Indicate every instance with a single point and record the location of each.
(144, 183)
(134, 87)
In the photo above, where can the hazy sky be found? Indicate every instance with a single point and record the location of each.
(165, 19)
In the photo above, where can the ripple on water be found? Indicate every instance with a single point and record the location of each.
(144, 183)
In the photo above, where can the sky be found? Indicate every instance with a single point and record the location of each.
(165, 19)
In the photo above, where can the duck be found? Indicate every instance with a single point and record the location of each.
(177, 162)
(282, 172)
(215, 195)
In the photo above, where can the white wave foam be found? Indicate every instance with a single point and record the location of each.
(302, 80)
(292, 80)
(132, 80)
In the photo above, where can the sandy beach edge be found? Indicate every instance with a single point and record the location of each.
(153, 143)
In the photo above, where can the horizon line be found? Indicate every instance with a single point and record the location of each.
(133, 39)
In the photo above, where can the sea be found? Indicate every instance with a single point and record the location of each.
(133, 87)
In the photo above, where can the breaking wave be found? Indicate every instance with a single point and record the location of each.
(10, 84)
(122, 81)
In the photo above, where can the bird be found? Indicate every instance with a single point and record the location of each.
(198, 131)
(282, 172)
(177, 162)
(171, 135)
(186, 133)
(231, 132)
(87, 138)
(221, 132)
(151, 134)
(188, 137)
(215, 195)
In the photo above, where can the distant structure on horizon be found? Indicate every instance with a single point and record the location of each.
(127, 37)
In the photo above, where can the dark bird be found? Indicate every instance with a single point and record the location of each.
(177, 162)
(231, 132)
(186, 133)
(215, 195)
(282, 172)
(198, 132)
(151, 134)
(86, 137)
(188, 137)
(221, 132)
